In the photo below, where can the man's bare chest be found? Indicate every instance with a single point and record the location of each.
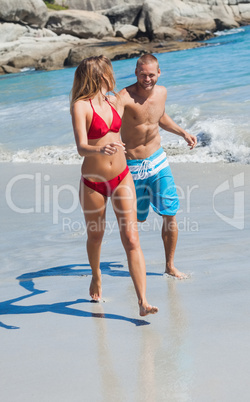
(147, 112)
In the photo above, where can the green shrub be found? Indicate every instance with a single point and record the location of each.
(50, 4)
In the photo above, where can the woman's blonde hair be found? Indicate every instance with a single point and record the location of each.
(89, 78)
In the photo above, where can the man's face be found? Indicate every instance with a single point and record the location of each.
(147, 75)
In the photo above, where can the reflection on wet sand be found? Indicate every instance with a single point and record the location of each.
(163, 367)
(175, 363)
(111, 388)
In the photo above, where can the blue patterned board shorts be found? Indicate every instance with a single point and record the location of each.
(154, 184)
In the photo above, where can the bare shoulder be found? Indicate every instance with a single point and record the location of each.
(80, 106)
(126, 92)
(128, 95)
(161, 90)
(80, 110)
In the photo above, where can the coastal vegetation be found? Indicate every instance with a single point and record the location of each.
(51, 4)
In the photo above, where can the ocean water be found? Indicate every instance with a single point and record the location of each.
(208, 95)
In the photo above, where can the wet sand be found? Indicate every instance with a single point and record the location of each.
(55, 345)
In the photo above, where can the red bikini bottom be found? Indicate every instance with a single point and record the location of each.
(106, 187)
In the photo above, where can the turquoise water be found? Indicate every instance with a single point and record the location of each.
(208, 95)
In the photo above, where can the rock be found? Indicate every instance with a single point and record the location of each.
(123, 50)
(175, 14)
(83, 24)
(236, 13)
(123, 15)
(32, 12)
(244, 10)
(27, 52)
(10, 70)
(127, 32)
(55, 60)
(11, 32)
(196, 34)
(168, 33)
(24, 42)
(224, 17)
(22, 61)
(192, 15)
(115, 49)
(222, 24)
(199, 24)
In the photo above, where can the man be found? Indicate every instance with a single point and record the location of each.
(144, 111)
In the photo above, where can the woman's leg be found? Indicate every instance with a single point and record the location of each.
(94, 208)
(124, 204)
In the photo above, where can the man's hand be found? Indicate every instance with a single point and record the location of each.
(169, 125)
(190, 139)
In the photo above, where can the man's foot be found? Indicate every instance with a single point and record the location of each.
(147, 309)
(95, 289)
(172, 271)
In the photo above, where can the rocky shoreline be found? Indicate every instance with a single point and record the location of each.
(32, 36)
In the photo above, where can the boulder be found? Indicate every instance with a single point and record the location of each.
(32, 12)
(123, 15)
(166, 33)
(11, 32)
(244, 10)
(55, 60)
(192, 15)
(9, 69)
(31, 52)
(83, 24)
(22, 61)
(199, 24)
(127, 32)
(224, 17)
(119, 49)
(115, 49)
(197, 34)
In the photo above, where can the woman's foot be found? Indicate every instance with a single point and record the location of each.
(95, 289)
(145, 309)
(172, 271)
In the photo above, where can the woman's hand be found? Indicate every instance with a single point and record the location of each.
(111, 148)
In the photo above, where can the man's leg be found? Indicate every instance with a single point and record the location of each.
(169, 237)
(165, 202)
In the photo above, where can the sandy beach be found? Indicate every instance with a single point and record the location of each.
(57, 346)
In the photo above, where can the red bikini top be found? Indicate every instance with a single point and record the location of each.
(99, 128)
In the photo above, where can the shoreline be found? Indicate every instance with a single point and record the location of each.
(113, 48)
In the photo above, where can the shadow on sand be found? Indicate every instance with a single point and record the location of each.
(26, 281)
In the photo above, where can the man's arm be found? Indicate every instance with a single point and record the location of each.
(169, 125)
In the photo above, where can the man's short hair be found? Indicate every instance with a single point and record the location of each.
(147, 59)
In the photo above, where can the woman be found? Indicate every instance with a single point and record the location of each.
(105, 173)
